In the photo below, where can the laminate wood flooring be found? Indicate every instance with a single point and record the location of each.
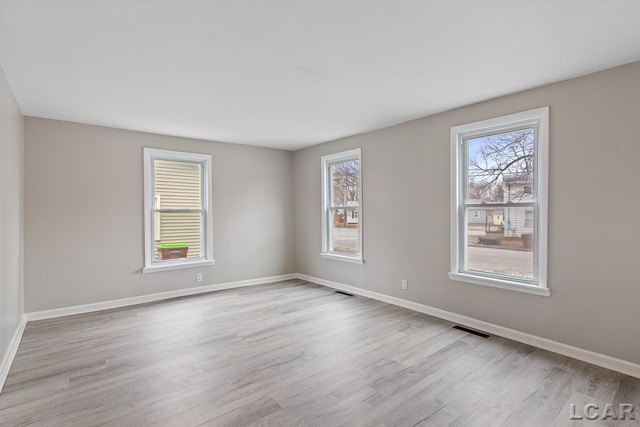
(291, 354)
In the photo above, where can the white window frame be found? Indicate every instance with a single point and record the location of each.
(538, 118)
(327, 208)
(150, 264)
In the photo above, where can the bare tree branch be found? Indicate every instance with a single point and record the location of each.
(502, 158)
(346, 177)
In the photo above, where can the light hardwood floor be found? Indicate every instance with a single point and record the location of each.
(290, 353)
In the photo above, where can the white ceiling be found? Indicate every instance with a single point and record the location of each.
(292, 73)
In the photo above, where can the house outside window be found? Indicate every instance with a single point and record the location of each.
(342, 206)
(177, 205)
(499, 170)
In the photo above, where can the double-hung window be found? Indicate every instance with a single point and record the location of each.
(342, 206)
(499, 168)
(177, 210)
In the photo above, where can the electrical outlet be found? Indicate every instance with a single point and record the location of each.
(405, 286)
(198, 277)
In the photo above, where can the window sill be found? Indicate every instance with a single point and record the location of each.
(501, 284)
(344, 258)
(178, 265)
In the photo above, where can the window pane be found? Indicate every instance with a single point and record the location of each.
(500, 167)
(180, 235)
(345, 183)
(178, 185)
(344, 232)
(500, 241)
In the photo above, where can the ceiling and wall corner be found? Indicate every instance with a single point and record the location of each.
(289, 74)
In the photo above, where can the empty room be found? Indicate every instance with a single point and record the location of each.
(319, 213)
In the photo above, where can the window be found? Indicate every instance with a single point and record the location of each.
(476, 214)
(341, 206)
(177, 206)
(499, 167)
(528, 219)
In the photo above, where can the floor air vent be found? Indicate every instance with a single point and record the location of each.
(471, 331)
(344, 293)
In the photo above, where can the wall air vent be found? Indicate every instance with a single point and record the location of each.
(471, 331)
(344, 293)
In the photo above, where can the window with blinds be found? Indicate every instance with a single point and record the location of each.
(177, 209)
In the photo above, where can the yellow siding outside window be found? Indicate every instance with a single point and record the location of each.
(179, 186)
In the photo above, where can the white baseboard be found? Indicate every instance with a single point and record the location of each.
(10, 354)
(588, 356)
(142, 299)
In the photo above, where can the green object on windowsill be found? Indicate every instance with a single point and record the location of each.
(173, 246)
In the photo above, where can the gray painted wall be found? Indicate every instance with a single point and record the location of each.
(84, 214)
(594, 170)
(11, 197)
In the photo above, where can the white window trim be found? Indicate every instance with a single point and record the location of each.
(326, 203)
(539, 117)
(149, 245)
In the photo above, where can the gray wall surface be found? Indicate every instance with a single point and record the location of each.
(11, 208)
(84, 214)
(593, 208)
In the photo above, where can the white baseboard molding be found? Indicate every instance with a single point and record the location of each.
(142, 299)
(588, 356)
(10, 354)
